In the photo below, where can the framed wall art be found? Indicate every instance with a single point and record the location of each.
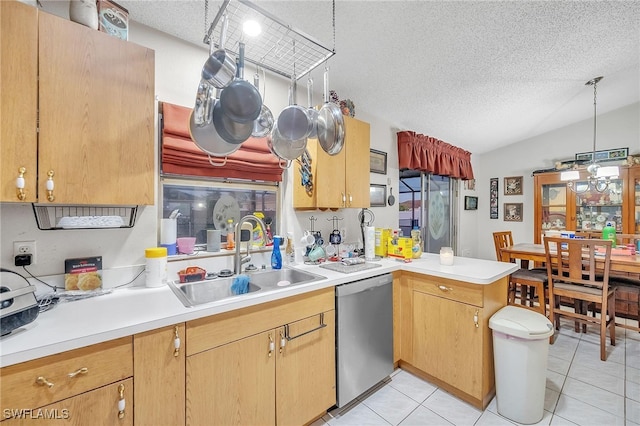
(513, 212)
(470, 203)
(378, 195)
(605, 155)
(378, 162)
(493, 198)
(513, 185)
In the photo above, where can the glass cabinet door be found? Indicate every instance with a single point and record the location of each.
(594, 209)
(636, 200)
(554, 207)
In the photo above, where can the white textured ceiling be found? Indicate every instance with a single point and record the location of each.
(476, 74)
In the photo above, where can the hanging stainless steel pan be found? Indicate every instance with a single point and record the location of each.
(240, 100)
(264, 123)
(331, 131)
(311, 112)
(293, 121)
(229, 130)
(220, 68)
(207, 138)
(284, 148)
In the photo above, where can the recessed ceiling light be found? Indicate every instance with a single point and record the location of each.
(251, 28)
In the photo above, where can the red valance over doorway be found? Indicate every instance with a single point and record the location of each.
(431, 155)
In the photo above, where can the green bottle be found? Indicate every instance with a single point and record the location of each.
(609, 233)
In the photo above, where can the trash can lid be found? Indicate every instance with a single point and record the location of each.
(521, 322)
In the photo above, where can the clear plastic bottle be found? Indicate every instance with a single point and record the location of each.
(416, 248)
(231, 244)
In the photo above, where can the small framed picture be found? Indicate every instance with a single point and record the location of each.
(513, 212)
(470, 203)
(605, 155)
(378, 195)
(513, 185)
(378, 162)
(113, 19)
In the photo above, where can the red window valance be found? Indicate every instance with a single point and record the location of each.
(181, 156)
(431, 155)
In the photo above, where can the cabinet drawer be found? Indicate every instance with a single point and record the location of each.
(104, 363)
(459, 291)
(210, 332)
(97, 407)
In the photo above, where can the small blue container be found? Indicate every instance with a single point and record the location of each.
(172, 249)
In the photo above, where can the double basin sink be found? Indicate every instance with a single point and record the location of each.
(197, 293)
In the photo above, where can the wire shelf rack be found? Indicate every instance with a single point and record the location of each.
(279, 48)
(49, 217)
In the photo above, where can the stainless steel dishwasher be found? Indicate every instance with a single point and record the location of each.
(364, 335)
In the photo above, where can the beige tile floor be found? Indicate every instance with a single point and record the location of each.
(580, 390)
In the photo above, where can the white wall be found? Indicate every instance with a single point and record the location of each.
(616, 129)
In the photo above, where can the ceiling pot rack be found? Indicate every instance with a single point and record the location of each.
(273, 48)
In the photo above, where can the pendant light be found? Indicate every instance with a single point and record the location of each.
(599, 177)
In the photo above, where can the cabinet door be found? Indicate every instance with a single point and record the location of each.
(446, 342)
(555, 205)
(233, 384)
(305, 371)
(96, 101)
(159, 372)
(633, 215)
(97, 407)
(18, 98)
(328, 182)
(357, 163)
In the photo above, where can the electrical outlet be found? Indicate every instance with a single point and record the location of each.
(21, 248)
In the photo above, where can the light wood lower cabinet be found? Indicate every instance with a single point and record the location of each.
(269, 364)
(446, 336)
(159, 371)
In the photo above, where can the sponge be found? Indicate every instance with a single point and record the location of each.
(240, 284)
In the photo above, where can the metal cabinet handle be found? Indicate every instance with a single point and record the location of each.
(272, 345)
(445, 288)
(83, 370)
(121, 402)
(283, 341)
(50, 186)
(475, 319)
(43, 381)
(350, 199)
(290, 338)
(176, 342)
(344, 199)
(20, 184)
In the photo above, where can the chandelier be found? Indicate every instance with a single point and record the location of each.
(599, 177)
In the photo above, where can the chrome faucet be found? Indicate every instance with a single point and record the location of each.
(237, 260)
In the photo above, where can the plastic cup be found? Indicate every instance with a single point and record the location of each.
(186, 245)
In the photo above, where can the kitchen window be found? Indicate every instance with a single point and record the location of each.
(205, 205)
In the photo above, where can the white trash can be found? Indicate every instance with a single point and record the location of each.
(520, 349)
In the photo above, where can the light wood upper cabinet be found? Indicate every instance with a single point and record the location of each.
(18, 98)
(159, 371)
(92, 98)
(339, 181)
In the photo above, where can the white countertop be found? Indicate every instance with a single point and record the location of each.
(134, 310)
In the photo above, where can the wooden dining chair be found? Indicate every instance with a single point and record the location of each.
(571, 268)
(530, 282)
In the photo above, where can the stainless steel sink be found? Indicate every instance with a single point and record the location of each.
(199, 292)
(282, 277)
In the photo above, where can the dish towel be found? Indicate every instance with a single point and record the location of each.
(240, 284)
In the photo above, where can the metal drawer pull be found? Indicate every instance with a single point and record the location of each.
(272, 345)
(475, 319)
(176, 343)
(50, 186)
(43, 381)
(20, 184)
(289, 338)
(121, 402)
(445, 288)
(83, 370)
(283, 341)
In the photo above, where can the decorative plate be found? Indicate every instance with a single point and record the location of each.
(226, 208)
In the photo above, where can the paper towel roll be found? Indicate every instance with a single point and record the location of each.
(370, 243)
(168, 231)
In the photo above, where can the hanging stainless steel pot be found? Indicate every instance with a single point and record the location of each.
(331, 131)
(220, 68)
(311, 112)
(293, 121)
(206, 137)
(240, 100)
(262, 125)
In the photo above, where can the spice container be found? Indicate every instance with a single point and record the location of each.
(156, 266)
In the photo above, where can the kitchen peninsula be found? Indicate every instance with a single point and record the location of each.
(121, 326)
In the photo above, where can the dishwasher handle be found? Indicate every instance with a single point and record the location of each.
(354, 287)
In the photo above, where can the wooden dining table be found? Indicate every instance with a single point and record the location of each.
(620, 264)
